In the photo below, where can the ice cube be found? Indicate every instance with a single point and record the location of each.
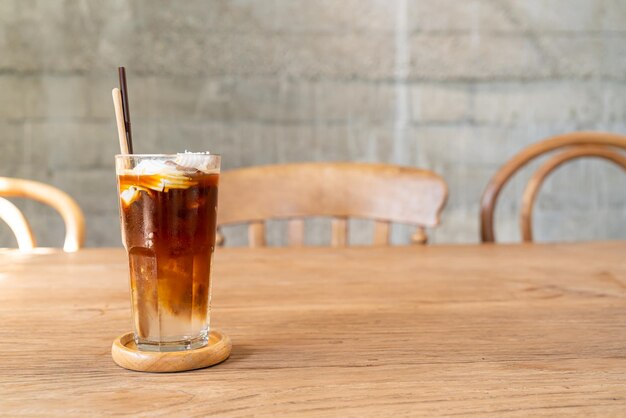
(129, 195)
(197, 161)
(149, 167)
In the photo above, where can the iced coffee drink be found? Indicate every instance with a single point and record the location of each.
(168, 210)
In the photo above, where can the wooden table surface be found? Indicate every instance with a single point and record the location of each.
(510, 330)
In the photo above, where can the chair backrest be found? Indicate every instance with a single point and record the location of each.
(571, 146)
(381, 192)
(60, 201)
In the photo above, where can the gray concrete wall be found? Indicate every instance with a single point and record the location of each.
(454, 86)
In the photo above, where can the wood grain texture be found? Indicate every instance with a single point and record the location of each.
(125, 354)
(48, 195)
(613, 144)
(507, 330)
(380, 192)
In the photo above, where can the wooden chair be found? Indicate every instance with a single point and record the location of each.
(384, 193)
(571, 146)
(60, 201)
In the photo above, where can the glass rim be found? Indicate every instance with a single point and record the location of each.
(166, 155)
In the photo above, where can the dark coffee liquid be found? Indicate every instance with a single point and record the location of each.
(170, 238)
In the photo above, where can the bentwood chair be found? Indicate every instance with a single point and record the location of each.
(570, 146)
(60, 201)
(380, 192)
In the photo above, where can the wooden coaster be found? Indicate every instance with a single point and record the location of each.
(126, 355)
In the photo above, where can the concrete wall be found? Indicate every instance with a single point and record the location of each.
(454, 86)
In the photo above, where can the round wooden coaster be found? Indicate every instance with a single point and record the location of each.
(126, 355)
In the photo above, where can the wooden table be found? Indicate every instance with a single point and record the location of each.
(503, 330)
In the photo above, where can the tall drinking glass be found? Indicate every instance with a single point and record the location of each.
(168, 211)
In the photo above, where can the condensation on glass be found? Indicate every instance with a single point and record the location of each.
(168, 211)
